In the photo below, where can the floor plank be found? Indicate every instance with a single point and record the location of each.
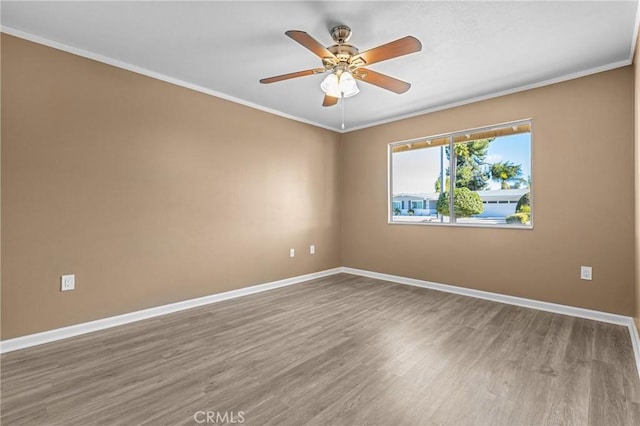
(337, 350)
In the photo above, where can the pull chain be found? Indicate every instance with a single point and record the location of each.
(342, 107)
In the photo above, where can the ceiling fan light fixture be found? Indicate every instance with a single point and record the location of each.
(330, 86)
(340, 87)
(348, 85)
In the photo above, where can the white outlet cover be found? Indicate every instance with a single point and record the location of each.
(312, 249)
(67, 282)
(292, 252)
(586, 273)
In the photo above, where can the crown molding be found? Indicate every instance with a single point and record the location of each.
(149, 73)
(153, 74)
(537, 85)
(634, 40)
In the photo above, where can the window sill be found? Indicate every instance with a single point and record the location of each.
(463, 225)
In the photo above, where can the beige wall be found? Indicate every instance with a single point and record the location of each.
(150, 193)
(583, 169)
(636, 91)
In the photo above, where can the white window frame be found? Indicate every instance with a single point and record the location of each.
(452, 171)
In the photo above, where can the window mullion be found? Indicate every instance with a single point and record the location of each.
(452, 180)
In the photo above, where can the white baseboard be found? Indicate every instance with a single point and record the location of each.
(101, 324)
(635, 342)
(496, 297)
(518, 301)
(89, 327)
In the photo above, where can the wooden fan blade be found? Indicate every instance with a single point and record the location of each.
(292, 75)
(310, 43)
(381, 80)
(402, 46)
(329, 101)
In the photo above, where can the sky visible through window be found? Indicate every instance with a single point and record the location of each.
(415, 172)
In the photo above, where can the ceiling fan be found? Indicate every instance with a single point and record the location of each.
(345, 64)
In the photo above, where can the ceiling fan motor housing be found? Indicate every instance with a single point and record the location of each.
(343, 52)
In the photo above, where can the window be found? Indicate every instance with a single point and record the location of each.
(489, 170)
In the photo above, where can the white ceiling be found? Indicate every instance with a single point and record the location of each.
(471, 50)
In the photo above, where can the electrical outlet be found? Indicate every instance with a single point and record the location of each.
(292, 252)
(312, 249)
(586, 273)
(67, 282)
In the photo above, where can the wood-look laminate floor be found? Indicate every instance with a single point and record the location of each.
(342, 350)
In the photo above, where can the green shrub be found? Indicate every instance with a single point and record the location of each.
(396, 211)
(524, 204)
(518, 218)
(465, 203)
(411, 212)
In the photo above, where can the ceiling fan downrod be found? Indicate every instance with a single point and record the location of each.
(341, 34)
